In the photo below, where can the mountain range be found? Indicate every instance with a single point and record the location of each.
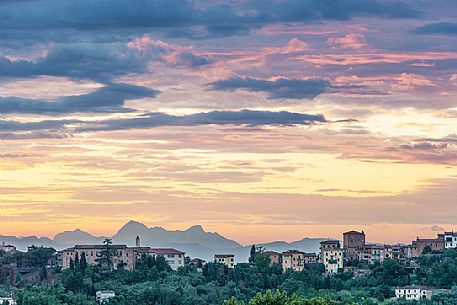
(195, 241)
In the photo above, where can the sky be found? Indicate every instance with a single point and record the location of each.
(261, 120)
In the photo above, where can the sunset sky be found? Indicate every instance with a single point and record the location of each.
(261, 120)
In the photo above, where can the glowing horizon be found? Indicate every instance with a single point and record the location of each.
(261, 122)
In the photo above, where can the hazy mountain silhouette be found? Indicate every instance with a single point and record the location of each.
(195, 241)
(77, 237)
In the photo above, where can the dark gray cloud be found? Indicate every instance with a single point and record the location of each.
(444, 28)
(178, 16)
(152, 120)
(99, 62)
(110, 98)
(276, 89)
(96, 62)
(244, 117)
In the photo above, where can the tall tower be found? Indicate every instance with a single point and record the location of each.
(137, 242)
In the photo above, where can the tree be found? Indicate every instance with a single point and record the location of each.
(252, 254)
(83, 261)
(279, 298)
(105, 258)
(427, 249)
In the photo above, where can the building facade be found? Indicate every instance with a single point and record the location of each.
(352, 241)
(311, 258)
(103, 296)
(124, 256)
(435, 244)
(370, 253)
(226, 259)
(331, 256)
(413, 293)
(7, 248)
(293, 260)
(174, 258)
(275, 257)
(450, 239)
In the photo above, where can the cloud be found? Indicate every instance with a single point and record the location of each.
(443, 28)
(187, 18)
(110, 98)
(449, 139)
(172, 54)
(103, 62)
(433, 228)
(277, 88)
(423, 146)
(244, 117)
(95, 62)
(436, 228)
(349, 41)
(157, 119)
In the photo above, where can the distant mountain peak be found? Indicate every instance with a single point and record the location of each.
(134, 225)
(196, 229)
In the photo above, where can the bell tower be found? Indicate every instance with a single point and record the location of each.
(137, 242)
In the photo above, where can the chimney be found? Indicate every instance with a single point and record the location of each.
(137, 242)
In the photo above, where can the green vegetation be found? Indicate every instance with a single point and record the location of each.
(255, 283)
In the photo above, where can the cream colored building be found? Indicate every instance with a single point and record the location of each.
(413, 293)
(293, 260)
(7, 248)
(173, 257)
(122, 254)
(103, 296)
(331, 256)
(4, 300)
(226, 259)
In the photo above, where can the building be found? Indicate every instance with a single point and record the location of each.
(226, 259)
(102, 296)
(352, 240)
(395, 252)
(137, 242)
(450, 239)
(370, 253)
(331, 256)
(121, 255)
(435, 244)
(413, 292)
(128, 257)
(275, 257)
(7, 300)
(7, 248)
(293, 260)
(410, 251)
(310, 258)
(174, 258)
(198, 262)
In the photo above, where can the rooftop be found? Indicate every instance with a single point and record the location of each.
(354, 232)
(293, 252)
(98, 247)
(165, 251)
(330, 242)
(224, 255)
(415, 287)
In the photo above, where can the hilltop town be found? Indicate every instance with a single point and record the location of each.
(352, 257)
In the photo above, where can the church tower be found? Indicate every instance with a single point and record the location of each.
(137, 242)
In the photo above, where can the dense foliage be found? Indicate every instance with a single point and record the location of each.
(153, 282)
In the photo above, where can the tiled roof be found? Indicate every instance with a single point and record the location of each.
(97, 247)
(165, 251)
(224, 255)
(293, 252)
